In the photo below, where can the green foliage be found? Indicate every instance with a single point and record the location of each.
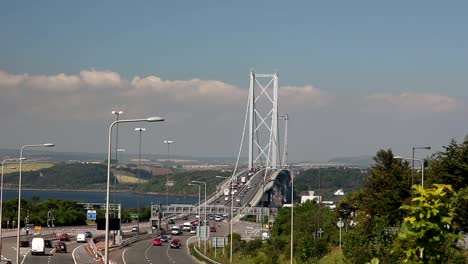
(329, 179)
(426, 235)
(64, 175)
(66, 212)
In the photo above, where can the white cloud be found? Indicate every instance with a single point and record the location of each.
(101, 78)
(8, 80)
(414, 102)
(305, 95)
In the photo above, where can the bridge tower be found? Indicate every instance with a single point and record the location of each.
(263, 120)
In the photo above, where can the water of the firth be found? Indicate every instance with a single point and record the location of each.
(128, 200)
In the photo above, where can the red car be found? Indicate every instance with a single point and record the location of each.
(175, 243)
(157, 242)
(213, 229)
(64, 237)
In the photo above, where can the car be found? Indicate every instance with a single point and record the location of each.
(48, 243)
(171, 222)
(64, 237)
(238, 199)
(185, 217)
(81, 238)
(211, 217)
(134, 229)
(61, 247)
(193, 230)
(218, 218)
(165, 238)
(176, 243)
(213, 229)
(226, 198)
(157, 242)
(24, 243)
(88, 234)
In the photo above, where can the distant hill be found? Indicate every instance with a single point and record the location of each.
(364, 161)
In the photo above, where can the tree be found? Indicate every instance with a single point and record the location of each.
(426, 235)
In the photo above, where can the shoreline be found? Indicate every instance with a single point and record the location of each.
(99, 191)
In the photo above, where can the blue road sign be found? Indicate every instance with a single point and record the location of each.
(91, 214)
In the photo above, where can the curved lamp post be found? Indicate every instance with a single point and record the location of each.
(168, 142)
(204, 208)
(199, 214)
(45, 145)
(1, 201)
(139, 129)
(422, 166)
(150, 119)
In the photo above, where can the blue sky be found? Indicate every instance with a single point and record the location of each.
(347, 48)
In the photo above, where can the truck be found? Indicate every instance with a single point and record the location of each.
(226, 191)
(243, 179)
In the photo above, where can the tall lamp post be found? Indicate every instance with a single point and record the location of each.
(1, 201)
(199, 203)
(139, 129)
(46, 145)
(150, 119)
(292, 217)
(168, 142)
(117, 113)
(422, 166)
(412, 166)
(204, 208)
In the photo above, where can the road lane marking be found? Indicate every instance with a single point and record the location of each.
(123, 255)
(73, 253)
(146, 254)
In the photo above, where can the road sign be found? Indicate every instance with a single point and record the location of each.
(134, 216)
(340, 224)
(91, 214)
(219, 241)
(203, 232)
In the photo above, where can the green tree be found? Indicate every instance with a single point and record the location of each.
(426, 235)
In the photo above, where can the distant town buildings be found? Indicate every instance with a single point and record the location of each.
(310, 196)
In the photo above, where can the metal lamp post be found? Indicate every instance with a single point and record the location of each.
(117, 113)
(199, 203)
(150, 119)
(412, 165)
(1, 202)
(168, 142)
(204, 208)
(422, 166)
(139, 129)
(292, 216)
(46, 145)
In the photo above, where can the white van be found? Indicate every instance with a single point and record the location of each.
(37, 246)
(187, 226)
(175, 230)
(81, 238)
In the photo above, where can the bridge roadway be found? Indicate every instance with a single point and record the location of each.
(76, 253)
(144, 251)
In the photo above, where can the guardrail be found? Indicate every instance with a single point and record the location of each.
(200, 254)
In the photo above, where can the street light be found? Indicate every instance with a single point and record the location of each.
(412, 166)
(422, 166)
(1, 201)
(199, 214)
(139, 129)
(45, 145)
(204, 208)
(292, 216)
(117, 113)
(168, 142)
(150, 119)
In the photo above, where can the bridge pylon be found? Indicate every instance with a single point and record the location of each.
(263, 120)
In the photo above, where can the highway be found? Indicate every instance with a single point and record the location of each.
(75, 252)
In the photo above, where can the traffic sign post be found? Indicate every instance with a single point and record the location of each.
(340, 224)
(91, 215)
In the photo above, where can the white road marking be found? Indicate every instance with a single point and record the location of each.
(146, 254)
(123, 255)
(73, 253)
